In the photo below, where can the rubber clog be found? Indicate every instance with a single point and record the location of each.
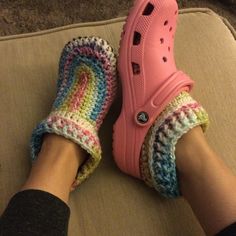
(150, 79)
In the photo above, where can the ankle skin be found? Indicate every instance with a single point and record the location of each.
(57, 156)
(205, 182)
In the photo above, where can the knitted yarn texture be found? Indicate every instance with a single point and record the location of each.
(157, 160)
(85, 91)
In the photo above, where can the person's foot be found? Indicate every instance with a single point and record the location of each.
(85, 91)
(157, 109)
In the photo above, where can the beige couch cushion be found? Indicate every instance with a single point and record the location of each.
(111, 203)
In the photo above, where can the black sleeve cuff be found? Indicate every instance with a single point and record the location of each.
(34, 213)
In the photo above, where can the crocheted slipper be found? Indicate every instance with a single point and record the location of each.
(149, 77)
(85, 90)
(157, 160)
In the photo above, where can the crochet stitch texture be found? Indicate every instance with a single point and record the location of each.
(157, 160)
(85, 91)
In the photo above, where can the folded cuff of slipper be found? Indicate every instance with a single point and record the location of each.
(77, 130)
(157, 162)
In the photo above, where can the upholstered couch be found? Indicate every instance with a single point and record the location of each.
(111, 203)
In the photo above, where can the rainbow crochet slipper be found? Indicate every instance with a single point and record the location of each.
(149, 76)
(85, 90)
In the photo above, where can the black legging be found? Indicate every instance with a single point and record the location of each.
(38, 213)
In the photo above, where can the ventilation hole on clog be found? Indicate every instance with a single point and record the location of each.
(136, 68)
(137, 38)
(169, 49)
(164, 59)
(170, 29)
(166, 22)
(148, 9)
(161, 40)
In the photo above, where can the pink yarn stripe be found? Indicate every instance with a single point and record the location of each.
(105, 105)
(193, 106)
(83, 51)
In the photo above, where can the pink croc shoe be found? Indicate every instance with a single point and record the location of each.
(149, 77)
